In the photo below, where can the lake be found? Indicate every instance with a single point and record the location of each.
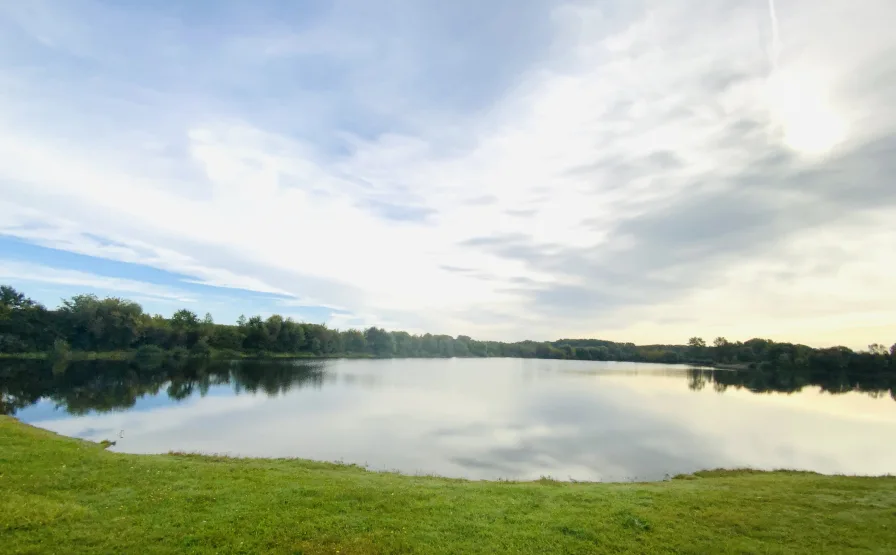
(472, 418)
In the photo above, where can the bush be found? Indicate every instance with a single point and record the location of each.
(178, 353)
(60, 350)
(201, 348)
(149, 356)
(11, 344)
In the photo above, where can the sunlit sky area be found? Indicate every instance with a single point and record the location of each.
(642, 171)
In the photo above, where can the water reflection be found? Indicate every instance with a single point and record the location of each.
(103, 386)
(794, 380)
(475, 418)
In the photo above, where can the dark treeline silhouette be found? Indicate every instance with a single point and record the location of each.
(102, 386)
(89, 323)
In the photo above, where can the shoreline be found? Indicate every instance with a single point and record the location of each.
(218, 355)
(61, 492)
(131, 355)
(217, 457)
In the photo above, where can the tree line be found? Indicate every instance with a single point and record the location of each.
(90, 323)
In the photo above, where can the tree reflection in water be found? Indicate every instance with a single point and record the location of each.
(104, 386)
(783, 380)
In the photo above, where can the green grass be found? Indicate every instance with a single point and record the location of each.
(69, 496)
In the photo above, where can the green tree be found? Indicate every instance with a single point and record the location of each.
(295, 337)
(723, 349)
(380, 341)
(696, 347)
(446, 346)
(568, 351)
(257, 338)
(226, 337)
(86, 322)
(354, 341)
(10, 300)
(25, 325)
(430, 345)
(462, 346)
(108, 324)
(273, 326)
(184, 319)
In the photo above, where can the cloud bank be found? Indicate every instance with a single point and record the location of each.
(641, 171)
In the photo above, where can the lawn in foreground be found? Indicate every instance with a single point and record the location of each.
(62, 495)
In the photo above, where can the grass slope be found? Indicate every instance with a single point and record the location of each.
(61, 495)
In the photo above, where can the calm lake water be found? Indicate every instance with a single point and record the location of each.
(473, 418)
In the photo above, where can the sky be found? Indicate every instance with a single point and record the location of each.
(644, 170)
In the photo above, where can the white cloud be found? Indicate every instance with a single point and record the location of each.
(24, 271)
(629, 114)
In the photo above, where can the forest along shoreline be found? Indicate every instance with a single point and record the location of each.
(65, 491)
(86, 327)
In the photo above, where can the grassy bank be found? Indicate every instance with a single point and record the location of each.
(65, 495)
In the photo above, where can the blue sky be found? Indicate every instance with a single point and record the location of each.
(158, 291)
(643, 171)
